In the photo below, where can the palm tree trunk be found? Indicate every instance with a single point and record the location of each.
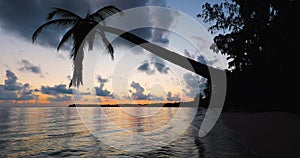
(77, 72)
(177, 59)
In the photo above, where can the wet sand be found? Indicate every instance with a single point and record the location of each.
(266, 134)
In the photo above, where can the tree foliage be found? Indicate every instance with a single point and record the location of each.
(255, 33)
(260, 38)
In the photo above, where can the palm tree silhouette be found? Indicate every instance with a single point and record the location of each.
(81, 27)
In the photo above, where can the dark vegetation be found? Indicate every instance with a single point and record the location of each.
(261, 39)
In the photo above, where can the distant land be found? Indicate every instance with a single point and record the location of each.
(198, 101)
(176, 104)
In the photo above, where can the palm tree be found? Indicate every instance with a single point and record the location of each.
(81, 27)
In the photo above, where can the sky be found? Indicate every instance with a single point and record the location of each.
(36, 74)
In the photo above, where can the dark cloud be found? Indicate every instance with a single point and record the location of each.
(156, 64)
(146, 68)
(60, 98)
(171, 97)
(147, 17)
(122, 4)
(26, 93)
(11, 84)
(56, 90)
(161, 68)
(160, 36)
(194, 84)
(7, 95)
(13, 90)
(139, 92)
(144, 17)
(160, 65)
(22, 17)
(27, 66)
(100, 91)
(102, 80)
(59, 93)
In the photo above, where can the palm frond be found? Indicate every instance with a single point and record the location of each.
(62, 13)
(58, 22)
(107, 44)
(66, 37)
(91, 39)
(103, 13)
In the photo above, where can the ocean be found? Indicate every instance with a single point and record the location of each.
(112, 132)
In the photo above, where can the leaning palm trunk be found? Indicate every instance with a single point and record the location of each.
(177, 59)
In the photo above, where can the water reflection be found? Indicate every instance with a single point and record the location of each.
(134, 129)
(59, 132)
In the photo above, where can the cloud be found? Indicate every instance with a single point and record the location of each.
(163, 21)
(27, 66)
(154, 65)
(160, 65)
(122, 4)
(139, 92)
(25, 93)
(10, 84)
(146, 68)
(60, 98)
(13, 90)
(56, 90)
(148, 17)
(58, 93)
(194, 84)
(100, 91)
(161, 68)
(188, 54)
(202, 59)
(102, 80)
(171, 97)
(22, 18)
(7, 95)
(160, 35)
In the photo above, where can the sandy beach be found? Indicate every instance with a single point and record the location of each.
(266, 134)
